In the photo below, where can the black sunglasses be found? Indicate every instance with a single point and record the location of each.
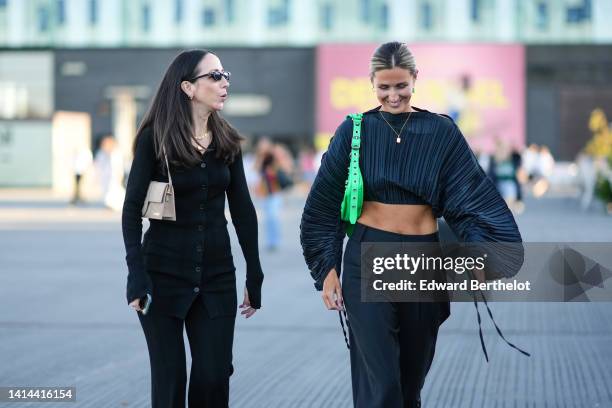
(215, 75)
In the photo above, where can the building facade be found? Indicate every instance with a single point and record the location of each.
(184, 23)
(81, 69)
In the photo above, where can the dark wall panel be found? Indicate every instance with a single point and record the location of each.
(284, 75)
(542, 124)
(564, 84)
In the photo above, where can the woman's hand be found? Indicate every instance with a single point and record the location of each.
(246, 305)
(332, 292)
(136, 305)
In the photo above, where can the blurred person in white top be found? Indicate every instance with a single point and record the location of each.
(109, 165)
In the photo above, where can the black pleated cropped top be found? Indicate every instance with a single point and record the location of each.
(432, 165)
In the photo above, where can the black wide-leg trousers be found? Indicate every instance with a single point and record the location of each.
(210, 342)
(392, 343)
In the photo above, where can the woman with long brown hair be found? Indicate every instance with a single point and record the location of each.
(186, 265)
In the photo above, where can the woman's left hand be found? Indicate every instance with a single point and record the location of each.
(246, 305)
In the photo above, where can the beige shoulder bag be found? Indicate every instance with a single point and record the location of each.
(159, 203)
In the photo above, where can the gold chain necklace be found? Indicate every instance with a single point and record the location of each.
(199, 139)
(399, 139)
(204, 136)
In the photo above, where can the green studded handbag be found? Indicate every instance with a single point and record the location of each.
(352, 203)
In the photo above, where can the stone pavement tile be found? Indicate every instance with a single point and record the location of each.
(292, 352)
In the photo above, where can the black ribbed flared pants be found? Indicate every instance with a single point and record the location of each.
(392, 343)
(210, 342)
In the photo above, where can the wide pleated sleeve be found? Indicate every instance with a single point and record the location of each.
(321, 229)
(474, 209)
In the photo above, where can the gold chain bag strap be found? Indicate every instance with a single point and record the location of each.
(159, 203)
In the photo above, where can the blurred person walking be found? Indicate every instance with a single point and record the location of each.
(529, 159)
(273, 166)
(587, 176)
(186, 264)
(109, 165)
(416, 167)
(505, 173)
(517, 163)
(307, 165)
(544, 168)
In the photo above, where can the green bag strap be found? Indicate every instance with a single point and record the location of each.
(353, 193)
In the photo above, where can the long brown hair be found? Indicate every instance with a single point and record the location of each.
(171, 119)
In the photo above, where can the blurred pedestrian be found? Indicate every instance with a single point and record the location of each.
(530, 161)
(505, 173)
(407, 182)
(110, 169)
(544, 168)
(307, 165)
(81, 162)
(587, 176)
(546, 162)
(185, 264)
(517, 162)
(273, 167)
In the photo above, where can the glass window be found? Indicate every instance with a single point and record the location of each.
(384, 16)
(364, 10)
(327, 16)
(541, 15)
(43, 18)
(26, 85)
(178, 11)
(93, 12)
(229, 6)
(208, 17)
(146, 18)
(578, 13)
(426, 16)
(475, 6)
(61, 11)
(278, 14)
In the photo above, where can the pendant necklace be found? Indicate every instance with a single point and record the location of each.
(399, 139)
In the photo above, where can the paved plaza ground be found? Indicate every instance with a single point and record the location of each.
(64, 321)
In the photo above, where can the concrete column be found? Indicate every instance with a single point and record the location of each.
(109, 30)
(602, 29)
(77, 30)
(16, 12)
(303, 22)
(457, 25)
(162, 23)
(506, 20)
(403, 19)
(256, 22)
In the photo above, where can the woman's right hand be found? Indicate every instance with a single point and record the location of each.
(136, 305)
(332, 292)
